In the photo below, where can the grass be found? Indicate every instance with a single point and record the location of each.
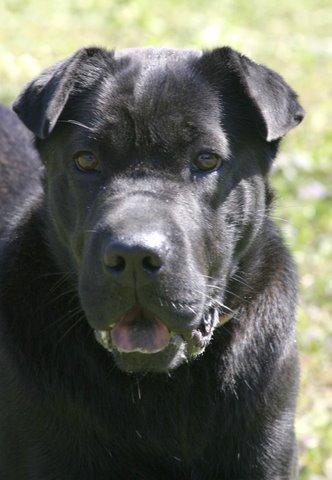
(295, 39)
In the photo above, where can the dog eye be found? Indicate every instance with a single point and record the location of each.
(206, 162)
(86, 162)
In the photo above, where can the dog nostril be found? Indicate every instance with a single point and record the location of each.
(134, 259)
(151, 263)
(115, 262)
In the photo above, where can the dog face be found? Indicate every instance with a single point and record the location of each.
(156, 187)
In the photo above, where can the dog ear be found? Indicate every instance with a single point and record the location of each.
(42, 101)
(274, 102)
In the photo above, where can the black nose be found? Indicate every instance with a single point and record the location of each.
(136, 259)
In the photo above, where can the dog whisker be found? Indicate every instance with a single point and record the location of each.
(52, 301)
(60, 282)
(237, 278)
(242, 298)
(64, 318)
(192, 310)
(78, 124)
(80, 319)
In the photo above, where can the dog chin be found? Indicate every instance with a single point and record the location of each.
(180, 349)
(167, 359)
(148, 348)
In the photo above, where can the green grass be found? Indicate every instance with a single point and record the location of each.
(293, 37)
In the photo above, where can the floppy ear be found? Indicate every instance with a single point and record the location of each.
(42, 101)
(274, 102)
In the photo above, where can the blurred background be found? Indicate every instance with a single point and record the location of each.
(292, 37)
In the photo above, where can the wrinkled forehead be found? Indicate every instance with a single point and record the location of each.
(159, 95)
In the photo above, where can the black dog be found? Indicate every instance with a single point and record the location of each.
(20, 168)
(147, 299)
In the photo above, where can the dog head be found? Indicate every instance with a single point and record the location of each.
(156, 164)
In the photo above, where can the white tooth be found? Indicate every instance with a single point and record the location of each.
(177, 340)
(103, 337)
(224, 318)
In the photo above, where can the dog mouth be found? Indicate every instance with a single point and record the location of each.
(141, 331)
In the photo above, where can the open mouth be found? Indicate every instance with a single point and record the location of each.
(141, 331)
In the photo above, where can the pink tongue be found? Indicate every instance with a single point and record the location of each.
(140, 331)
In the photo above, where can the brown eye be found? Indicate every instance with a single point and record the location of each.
(206, 162)
(87, 162)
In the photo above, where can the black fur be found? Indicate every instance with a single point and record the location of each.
(71, 409)
(20, 168)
